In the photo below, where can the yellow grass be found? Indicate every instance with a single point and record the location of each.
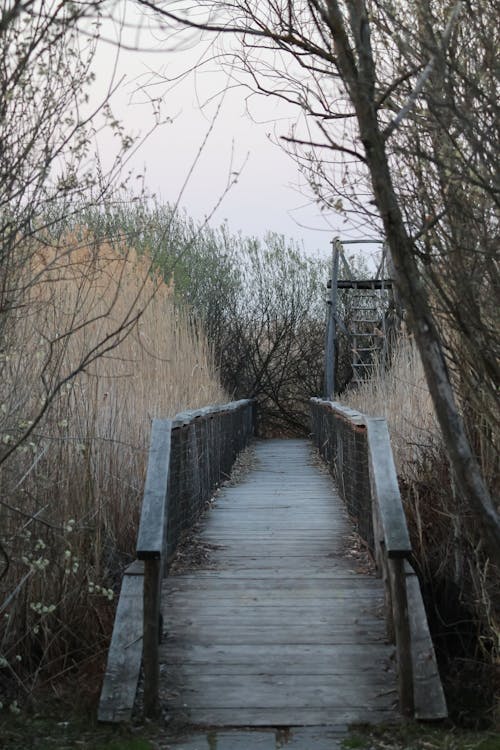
(400, 394)
(445, 538)
(71, 492)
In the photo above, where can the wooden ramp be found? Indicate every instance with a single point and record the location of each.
(281, 628)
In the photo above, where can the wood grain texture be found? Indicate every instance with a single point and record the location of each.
(151, 537)
(385, 489)
(429, 698)
(284, 626)
(124, 655)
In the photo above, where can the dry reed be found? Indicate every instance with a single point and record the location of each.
(70, 493)
(462, 587)
(400, 394)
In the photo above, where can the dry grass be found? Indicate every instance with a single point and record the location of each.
(462, 587)
(400, 394)
(71, 491)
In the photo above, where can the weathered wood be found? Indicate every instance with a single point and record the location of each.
(318, 738)
(385, 490)
(188, 416)
(136, 568)
(152, 580)
(316, 659)
(430, 701)
(362, 284)
(281, 691)
(402, 635)
(152, 527)
(283, 630)
(152, 542)
(124, 655)
(263, 716)
(331, 332)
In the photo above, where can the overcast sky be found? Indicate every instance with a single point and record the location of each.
(269, 194)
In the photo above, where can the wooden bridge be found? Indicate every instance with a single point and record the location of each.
(281, 619)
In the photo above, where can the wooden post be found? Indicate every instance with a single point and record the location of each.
(255, 424)
(331, 326)
(151, 657)
(403, 636)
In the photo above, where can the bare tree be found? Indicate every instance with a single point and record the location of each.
(361, 72)
(270, 335)
(49, 173)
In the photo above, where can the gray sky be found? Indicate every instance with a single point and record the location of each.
(269, 195)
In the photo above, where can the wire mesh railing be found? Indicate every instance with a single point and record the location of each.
(358, 452)
(341, 437)
(188, 457)
(204, 445)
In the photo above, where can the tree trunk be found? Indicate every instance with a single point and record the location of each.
(422, 324)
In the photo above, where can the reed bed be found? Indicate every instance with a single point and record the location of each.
(400, 394)
(102, 338)
(462, 588)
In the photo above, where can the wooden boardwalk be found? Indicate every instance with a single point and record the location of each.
(280, 629)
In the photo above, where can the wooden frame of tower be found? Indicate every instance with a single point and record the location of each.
(373, 316)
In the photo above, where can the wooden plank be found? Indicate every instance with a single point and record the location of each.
(362, 284)
(287, 658)
(324, 738)
(266, 580)
(124, 655)
(151, 610)
(285, 717)
(297, 634)
(186, 417)
(266, 610)
(232, 740)
(385, 489)
(401, 622)
(284, 620)
(430, 701)
(278, 691)
(153, 522)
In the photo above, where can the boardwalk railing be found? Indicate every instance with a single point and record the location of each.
(188, 457)
(358, 453)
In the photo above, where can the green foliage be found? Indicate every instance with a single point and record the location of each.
(261, 302)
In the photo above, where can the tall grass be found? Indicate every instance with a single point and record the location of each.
(71, 492)
(400, 394)
(462, 588)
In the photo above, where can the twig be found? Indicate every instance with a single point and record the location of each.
(396, 121)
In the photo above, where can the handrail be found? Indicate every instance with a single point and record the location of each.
(150, 539)
(358, 451)
(188, 456)
(385, 489)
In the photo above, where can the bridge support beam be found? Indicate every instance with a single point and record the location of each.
(401, 622)
(151, 660)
